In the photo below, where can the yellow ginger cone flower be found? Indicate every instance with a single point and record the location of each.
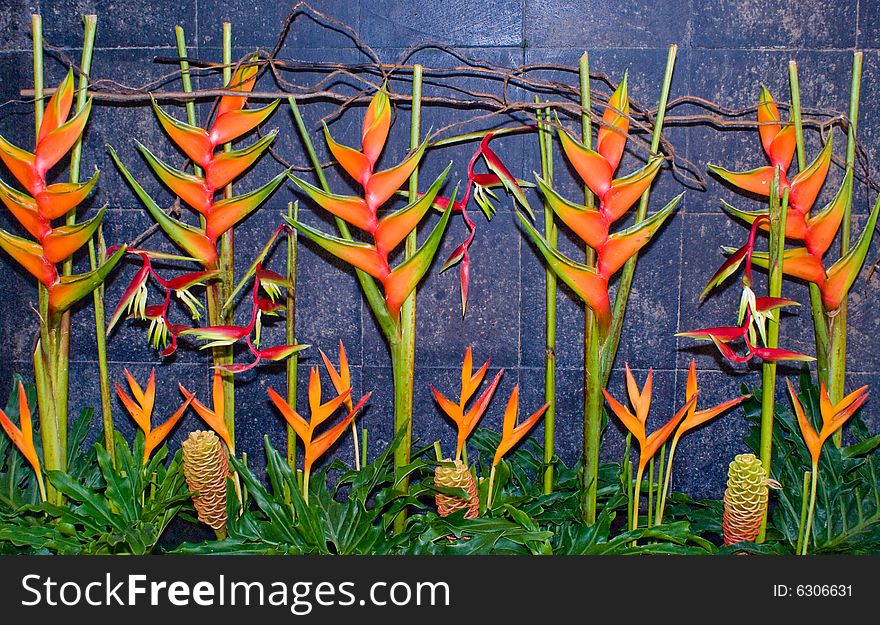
(205, 468)
(456, 477)
(745, 500)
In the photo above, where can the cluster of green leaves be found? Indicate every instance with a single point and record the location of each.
(847, 516)
(126, 509)
(107, 510)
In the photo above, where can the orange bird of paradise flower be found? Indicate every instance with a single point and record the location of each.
(636, 424)
(140, 409)
(23, 438)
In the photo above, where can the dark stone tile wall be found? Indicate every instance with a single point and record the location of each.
(727, 49)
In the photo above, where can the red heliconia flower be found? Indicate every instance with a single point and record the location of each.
(218, 169)
(818, 231)
(390, 230)
(615, 197)
(753, 312)
(481, 184)
(42, 203)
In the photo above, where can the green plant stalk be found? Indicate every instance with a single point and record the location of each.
(626, 470)
(636, 496)
(405, 349)
(186, 80)
(550, 233)
(809, 527)
(305, 484)
(650, 491)
(224, 355)
(491, 488)
(804, 505)
(90, 25)
(290, 328)
(778, 214)
(101, 342)
(667, 481)
(837, 348)
(661, 485)
(53, 422)
(820, 323)
(592, 384)
(609, 348)
(364, 440)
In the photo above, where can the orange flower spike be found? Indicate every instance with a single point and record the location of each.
(833, 417)
(466, 421)
(156, 436)
(319, 446)
(140, 409)
(342, 379)
(23, 438)
(321, 412)
(213, 418)
(696, 418)
(512, 433)
(58, 107)
(611, 139)
(779, 143)
(377, 123)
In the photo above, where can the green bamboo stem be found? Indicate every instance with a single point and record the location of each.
(609, 348)
(101, 342)
(837, 349)
(90, 25)
(820, 324)
(290, 328)
(550, 233)
(592, 385)
(778, 212)
(403, 350)
(186, 81)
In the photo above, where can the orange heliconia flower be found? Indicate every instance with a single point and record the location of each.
(636, 423)
(23, 438)
(833, 417)
(470, 382)
(141, 411)
(213, 418)
(341, 379)
(320, 412)
(512, 433)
